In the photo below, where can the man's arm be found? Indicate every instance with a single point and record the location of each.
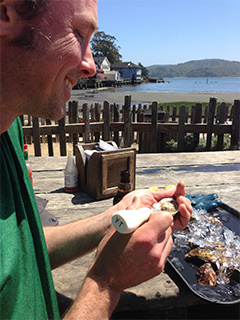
(95, 301)
(68, 242)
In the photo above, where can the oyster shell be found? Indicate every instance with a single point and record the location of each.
(167, 204)
(206, 275)
(207, 254)
(216, 253)
(213, 220)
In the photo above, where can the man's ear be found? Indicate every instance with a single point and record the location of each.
(7, 17)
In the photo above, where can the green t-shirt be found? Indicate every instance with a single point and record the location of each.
(26, 285)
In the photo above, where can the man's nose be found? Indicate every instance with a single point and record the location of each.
(87, 66)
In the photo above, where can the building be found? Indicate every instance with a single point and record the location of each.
(102, 63)
(128, 70)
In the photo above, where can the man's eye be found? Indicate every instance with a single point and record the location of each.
(79, 36)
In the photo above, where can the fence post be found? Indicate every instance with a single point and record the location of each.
(49, 140)
(181, 125)
(186, 113)
(140, 134)
(197, 119)
(106, 121)
(154, 128)
(210, 120)
(86, 123)
(36, 137)
(74, 119)
(193, 111)
(92, 112)
(162, 136)
(127, 134)
(133, 119)
(235, 125)
(206, 114)
(167, 114)
(70, 119)
(97, 118)
(222, 112)
(116, 117)
(111, 108)
(134, 113)
(62, 137)
(174, 113)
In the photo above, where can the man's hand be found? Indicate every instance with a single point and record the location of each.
(146, 198)
(123, 261)
(126, 260)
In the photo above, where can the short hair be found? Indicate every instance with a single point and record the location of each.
(29, 10)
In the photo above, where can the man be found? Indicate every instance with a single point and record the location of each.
(44, 51)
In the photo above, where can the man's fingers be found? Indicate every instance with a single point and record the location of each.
(180, 190)
(158, 223)
(136, 203)
(186, 202)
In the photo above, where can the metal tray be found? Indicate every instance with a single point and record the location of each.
(186, 272)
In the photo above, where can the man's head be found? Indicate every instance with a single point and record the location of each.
(44, 51)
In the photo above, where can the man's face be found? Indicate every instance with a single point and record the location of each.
(61, 55)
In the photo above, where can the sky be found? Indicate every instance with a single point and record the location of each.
(172, 31)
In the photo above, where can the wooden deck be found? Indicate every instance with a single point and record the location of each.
(206, 172)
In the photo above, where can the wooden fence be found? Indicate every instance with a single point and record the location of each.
(149, 125)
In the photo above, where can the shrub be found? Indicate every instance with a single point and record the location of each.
(191, 146)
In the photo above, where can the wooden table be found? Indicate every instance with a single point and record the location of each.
(206, 172)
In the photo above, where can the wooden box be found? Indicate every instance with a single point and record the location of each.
(99, 176)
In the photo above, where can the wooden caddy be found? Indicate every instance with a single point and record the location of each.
(100, 175)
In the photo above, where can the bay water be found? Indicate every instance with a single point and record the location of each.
(187, 85)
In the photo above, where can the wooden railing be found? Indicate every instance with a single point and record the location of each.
(150, 126)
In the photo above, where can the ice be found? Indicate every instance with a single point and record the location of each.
(229, 236)
(177, 263)
(225, 219)
(210, 233)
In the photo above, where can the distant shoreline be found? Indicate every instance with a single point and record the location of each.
(99, 96)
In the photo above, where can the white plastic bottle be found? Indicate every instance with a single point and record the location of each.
(71, 175)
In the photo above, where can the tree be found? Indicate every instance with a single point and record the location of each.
(145, 72)
(104, 45)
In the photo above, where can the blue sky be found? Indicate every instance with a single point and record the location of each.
(172, 31)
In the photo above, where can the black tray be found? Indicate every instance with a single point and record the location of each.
(187, 271)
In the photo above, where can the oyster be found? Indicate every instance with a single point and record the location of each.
(207, 254)
(213, 220)
(206, 275)
(226, 262)
(167, 204)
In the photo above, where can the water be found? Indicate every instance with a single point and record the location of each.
(187, 85)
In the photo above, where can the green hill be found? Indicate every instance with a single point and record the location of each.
(197, 68)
